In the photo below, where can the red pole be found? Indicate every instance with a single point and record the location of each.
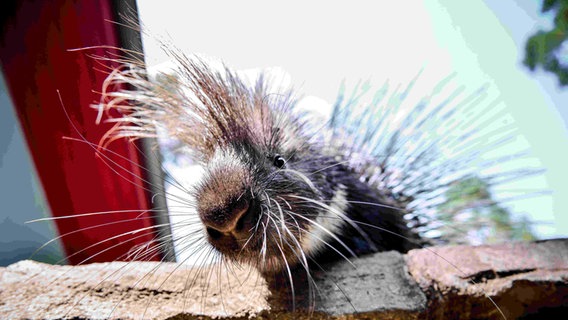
(36, 62)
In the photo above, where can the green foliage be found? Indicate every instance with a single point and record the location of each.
(471, 216)
(544, 48)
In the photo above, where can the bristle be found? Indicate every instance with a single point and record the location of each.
(398, 158)
(201, 107)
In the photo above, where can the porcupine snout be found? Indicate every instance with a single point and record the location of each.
(226, 206)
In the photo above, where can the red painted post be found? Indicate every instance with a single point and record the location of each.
(37, 63)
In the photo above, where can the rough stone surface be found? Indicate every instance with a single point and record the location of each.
(121, 290)
(503, 281)
(374, 283)
(516, 280)
(373, 286)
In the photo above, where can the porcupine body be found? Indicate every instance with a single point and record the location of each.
(273, 195)
(278, 192)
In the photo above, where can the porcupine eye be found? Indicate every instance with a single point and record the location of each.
(279, 161)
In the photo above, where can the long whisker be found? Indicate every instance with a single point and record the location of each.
(175, 183)
(289, 272)
(88, 214)
(432, 250)
(331, 234)
(85, 229)
(303, 259)
(340, 214)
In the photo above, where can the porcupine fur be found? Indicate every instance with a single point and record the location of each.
(238, 133)
(280, 193)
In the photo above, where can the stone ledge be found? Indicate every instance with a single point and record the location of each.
(520, 278)
(523, 279)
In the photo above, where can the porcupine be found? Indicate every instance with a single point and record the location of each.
(278, 192)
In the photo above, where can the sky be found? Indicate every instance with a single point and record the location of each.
(320, 44)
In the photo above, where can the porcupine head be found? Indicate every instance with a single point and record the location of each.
(272, 195)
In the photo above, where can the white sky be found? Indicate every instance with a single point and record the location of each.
(321, 43)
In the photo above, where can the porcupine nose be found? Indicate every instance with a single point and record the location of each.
(231, 220)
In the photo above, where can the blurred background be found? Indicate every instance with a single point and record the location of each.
(318, 45)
